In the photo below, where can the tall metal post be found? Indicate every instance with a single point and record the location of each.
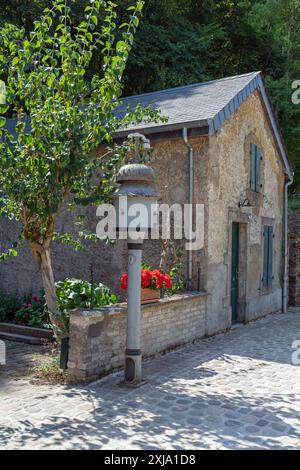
(136, 183)
(133, 356)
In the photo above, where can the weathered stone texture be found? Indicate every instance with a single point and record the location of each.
(294, 270)
(228, 185)
(97, 338)
(221, 182)
(170, 163)
(294, 221)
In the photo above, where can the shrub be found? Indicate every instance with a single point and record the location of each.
(178, 279)
(76, 293)
(31, 310)
(10, 303)
(27, 310)
(33, 313)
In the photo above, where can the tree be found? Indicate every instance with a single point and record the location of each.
(52, 163)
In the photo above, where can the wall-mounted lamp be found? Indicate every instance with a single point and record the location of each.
(245, 204)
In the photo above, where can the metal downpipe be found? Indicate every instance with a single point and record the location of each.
(190, 202)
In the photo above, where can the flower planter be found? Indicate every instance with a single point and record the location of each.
(25, 334)
(149, 296)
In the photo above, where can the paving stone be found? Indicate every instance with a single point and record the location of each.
(261, 423)
(278, 427)
(252, 429)
(232, 423)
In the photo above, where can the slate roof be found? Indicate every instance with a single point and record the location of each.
(198, 103)
(203, 105)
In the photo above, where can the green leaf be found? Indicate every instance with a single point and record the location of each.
(2, 121)
(13, 252)
(94, 19)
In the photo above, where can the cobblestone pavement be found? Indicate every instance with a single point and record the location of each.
(233, 391)
(20, 361)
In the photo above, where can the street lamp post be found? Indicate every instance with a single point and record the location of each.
(133, 354)
(136, 195)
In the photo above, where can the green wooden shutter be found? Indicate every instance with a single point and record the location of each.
(252, 166)
(270, 255)
(265, 255)
(257, 168)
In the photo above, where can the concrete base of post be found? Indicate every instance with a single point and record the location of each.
(133, 369)
(133, 366)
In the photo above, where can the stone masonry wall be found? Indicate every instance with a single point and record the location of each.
(294, 220)
(170, 163)
(294, 270)
(228, 186)
(98, 337)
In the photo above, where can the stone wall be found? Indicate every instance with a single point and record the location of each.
(98, 337)
(228, 185)
(294, 220)
(294, 270)
(170, 163)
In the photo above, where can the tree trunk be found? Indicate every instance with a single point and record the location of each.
(39, 242)
(56, 318)
(42, 255)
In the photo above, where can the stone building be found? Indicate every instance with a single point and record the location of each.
(220, 147)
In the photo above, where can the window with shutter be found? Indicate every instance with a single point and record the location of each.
(268, 256)
(255, 168)
(252, 167)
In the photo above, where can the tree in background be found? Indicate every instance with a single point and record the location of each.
(52, 163)
(186, 42)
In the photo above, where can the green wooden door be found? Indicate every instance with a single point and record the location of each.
(235, 271)
(268, 256)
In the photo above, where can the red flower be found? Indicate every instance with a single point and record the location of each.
(160, 280)
(124, 281)
(156, 272)
(149, 279)
(148, 273)
(168, 282)
(145, 280)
